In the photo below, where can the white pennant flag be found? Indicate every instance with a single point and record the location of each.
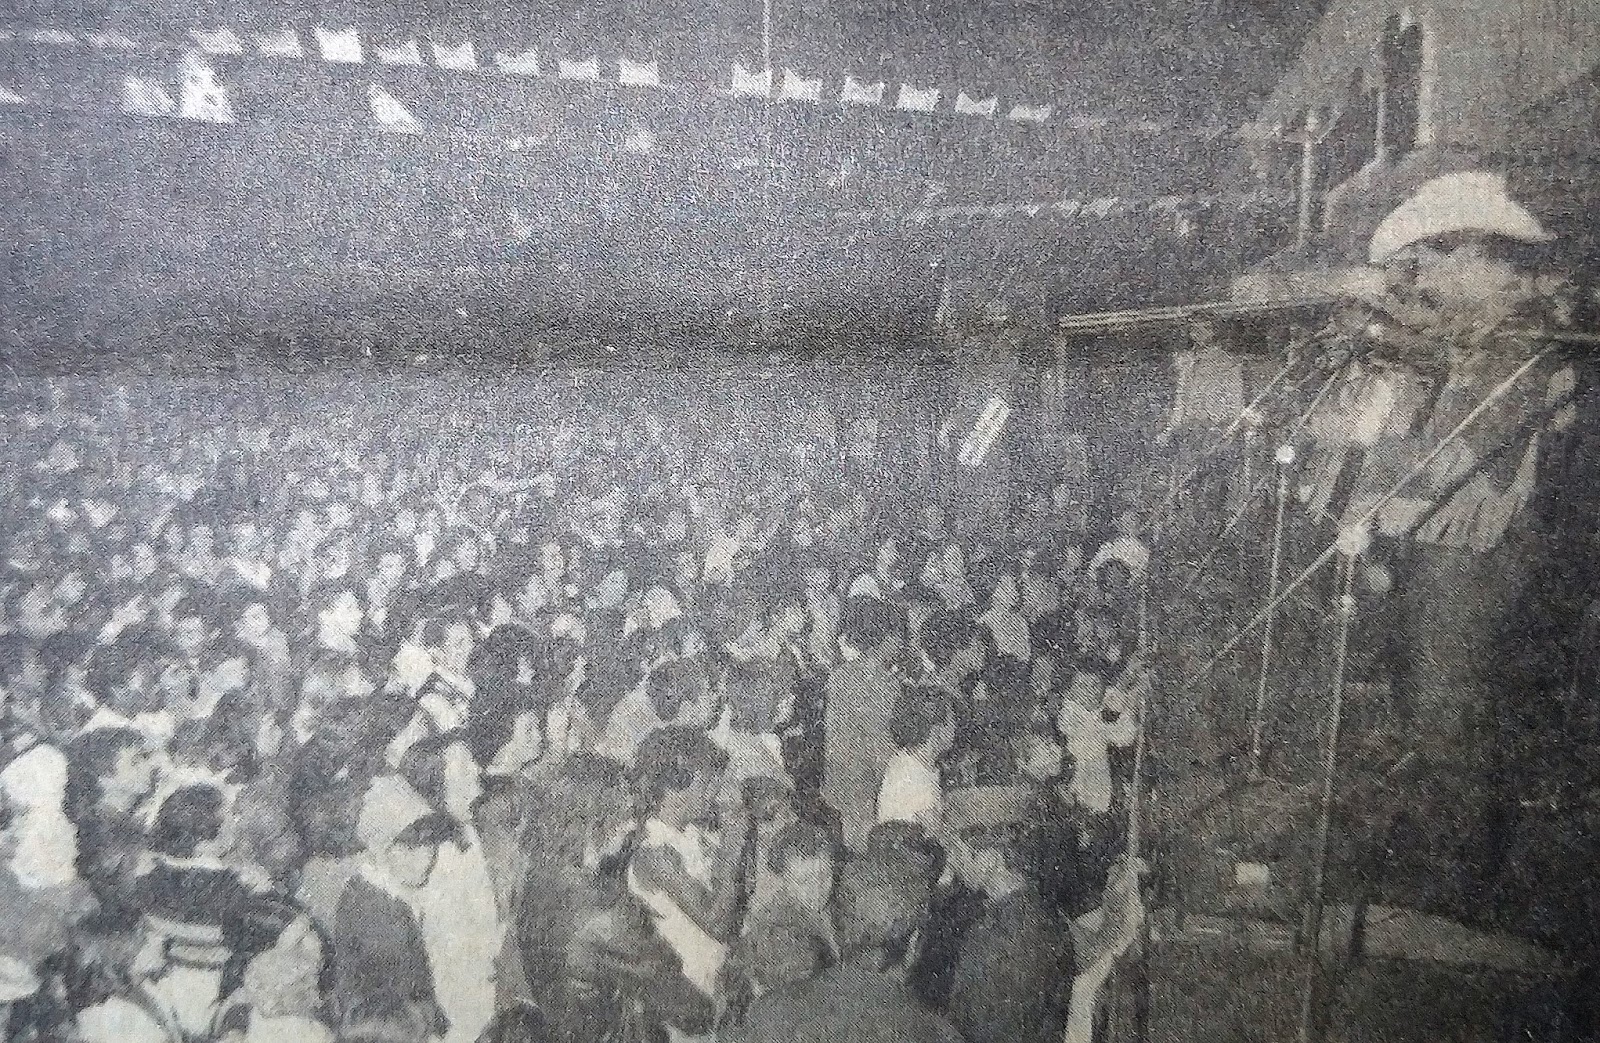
(110, 41)
(588, 69)
(203, 97)
(389, 113)
(857, 93)
(339, 45)
(407, 53)
(146, 97)
(520, 63)
(632, 73)
(285, 43)
(59, 37)
(10, 97)
(798, 88)
(918, 99)
(969, 106)
(1031, 113)
(217, 41)
(462, 57)
(751, 82)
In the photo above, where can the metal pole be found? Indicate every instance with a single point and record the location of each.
(1330, 765)
(1258, 721)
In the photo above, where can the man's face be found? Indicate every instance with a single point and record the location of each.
(226, 677)
(254, 622)
(133, 774)
(70, 590)
(412, 864)
(391, 567)
(189, 634)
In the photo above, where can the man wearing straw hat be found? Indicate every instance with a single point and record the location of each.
(1013, 978)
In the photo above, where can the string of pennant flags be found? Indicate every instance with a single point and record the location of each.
(199, 93)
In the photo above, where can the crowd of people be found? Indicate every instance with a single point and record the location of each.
(341, 737)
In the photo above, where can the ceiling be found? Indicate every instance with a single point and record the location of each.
(530, 210)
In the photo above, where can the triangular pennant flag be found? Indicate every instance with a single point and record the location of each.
(110, 41)
(145, 97)
(857, 93)
(969, 106)
(917, 99)
(60, 37)
(751, 82)
(797, 88)
(285, 43)
(462, 57)
(632, 73)
(407, 53)
(203, 97)
(10, 97)
(217, 41)
(520, 63)
(389, 113)
(1069, 206)
(587, 69)
(1101, 207)
(1031, 113)
(339, 45)
(1088, 122)
(640, 140)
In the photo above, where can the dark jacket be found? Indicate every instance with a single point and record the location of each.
(1013, 982)
(379, 959)
(845, 1002)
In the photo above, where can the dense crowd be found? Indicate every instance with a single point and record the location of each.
(345, 737)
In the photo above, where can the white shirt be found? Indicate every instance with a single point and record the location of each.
(910, 791)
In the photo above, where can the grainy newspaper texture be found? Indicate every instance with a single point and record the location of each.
(799, 521)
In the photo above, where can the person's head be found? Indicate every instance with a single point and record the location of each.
(1040, 755)
(923, 722)
(872, 626)
(276, 951)
(400, 831)
(1114, 578)
(1004, 597)
(678, 689)
(880, 909)
(340, 617)
(805, 859)
(252, 621)
(177, 684)
(225, 668)
(449, 641)
(190, 631)
(189, 823)
(108, 768)
(990, 851)
(465, 549)
(245, 539)
(955, 643)
(678, 771)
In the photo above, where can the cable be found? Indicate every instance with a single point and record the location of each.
(1330, 764)
(1366, 516)
(1249, 500)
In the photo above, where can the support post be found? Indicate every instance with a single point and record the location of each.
(1284, 458)
(1352, 543)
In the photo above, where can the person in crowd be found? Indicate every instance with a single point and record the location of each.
(1013, 980)
(880, 910)
(275, 983)
(461, 923)
(382, 965)
(687, 879)
(861, 694)
(110, 773)
(923, 729)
